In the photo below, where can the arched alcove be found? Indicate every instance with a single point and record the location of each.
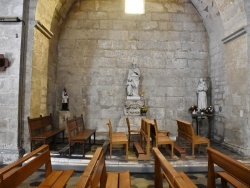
(219, 23)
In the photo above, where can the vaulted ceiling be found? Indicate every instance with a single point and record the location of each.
(217, 15)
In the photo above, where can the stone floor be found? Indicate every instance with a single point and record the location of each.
(142, 172)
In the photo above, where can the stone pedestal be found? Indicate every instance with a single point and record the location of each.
(135, 123)
(63, 115)
(133, 107)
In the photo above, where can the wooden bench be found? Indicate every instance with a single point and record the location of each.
(76, 136)
(96, 175)
(41, 129)
(145, 138)
(15, 173)
(160, 138)
(235, 173)
(186, 131)
(163, 169)
(82, 128)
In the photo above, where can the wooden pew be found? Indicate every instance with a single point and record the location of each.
(160, 138)
(15, 173)
(76, 136)
(81, 127)
(235, 173)
(145, 139)
(163, 169)
(116, 138)
(96, 175)
(186, 131)
(41, 129)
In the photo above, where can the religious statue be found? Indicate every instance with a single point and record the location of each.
(65, 100)
(133, 81)
(202, 95)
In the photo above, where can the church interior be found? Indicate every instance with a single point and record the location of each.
(155, 90)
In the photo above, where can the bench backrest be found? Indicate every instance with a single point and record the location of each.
(40, 124)
(47, 122)
(128, 124)
(35, 126)
(145, 134)
(80, 122)
(164, 169)
(185, 129)
(230, 165)
(108, 123)
(15, 173)
(95, 173)
(72, 128)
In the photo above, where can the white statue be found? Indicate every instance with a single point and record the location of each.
(133, 81)
(65, 100)
(202, 95)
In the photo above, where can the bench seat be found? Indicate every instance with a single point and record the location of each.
(57, 178)
(96, 174)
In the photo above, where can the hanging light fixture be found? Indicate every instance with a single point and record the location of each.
(135, 6)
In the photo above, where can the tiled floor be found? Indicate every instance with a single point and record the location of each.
(142, 179)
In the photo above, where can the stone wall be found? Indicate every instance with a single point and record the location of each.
(10, 45)
(98, 44)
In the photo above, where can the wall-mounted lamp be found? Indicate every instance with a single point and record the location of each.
(10, 19)
(135, 6)
(4, 63)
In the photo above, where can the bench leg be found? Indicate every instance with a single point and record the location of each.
(193, 150)
(89, 143)
(223, 183)
(110, 150)
(31, 145)
(127, 151)
(172, 150)
(83, 149)
(69, 148)
(63, 137)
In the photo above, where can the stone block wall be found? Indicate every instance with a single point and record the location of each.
(10, 45)
(98, 44)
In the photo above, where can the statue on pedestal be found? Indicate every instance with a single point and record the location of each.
(202, 95)
(133, 82)
(134, 102)
(65, 100)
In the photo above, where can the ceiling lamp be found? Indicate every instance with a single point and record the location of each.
(134, 6)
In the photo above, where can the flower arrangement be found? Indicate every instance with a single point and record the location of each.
(209, 110)
(193, 108)
(144, 110)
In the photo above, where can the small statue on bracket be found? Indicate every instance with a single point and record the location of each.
(65, 100)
